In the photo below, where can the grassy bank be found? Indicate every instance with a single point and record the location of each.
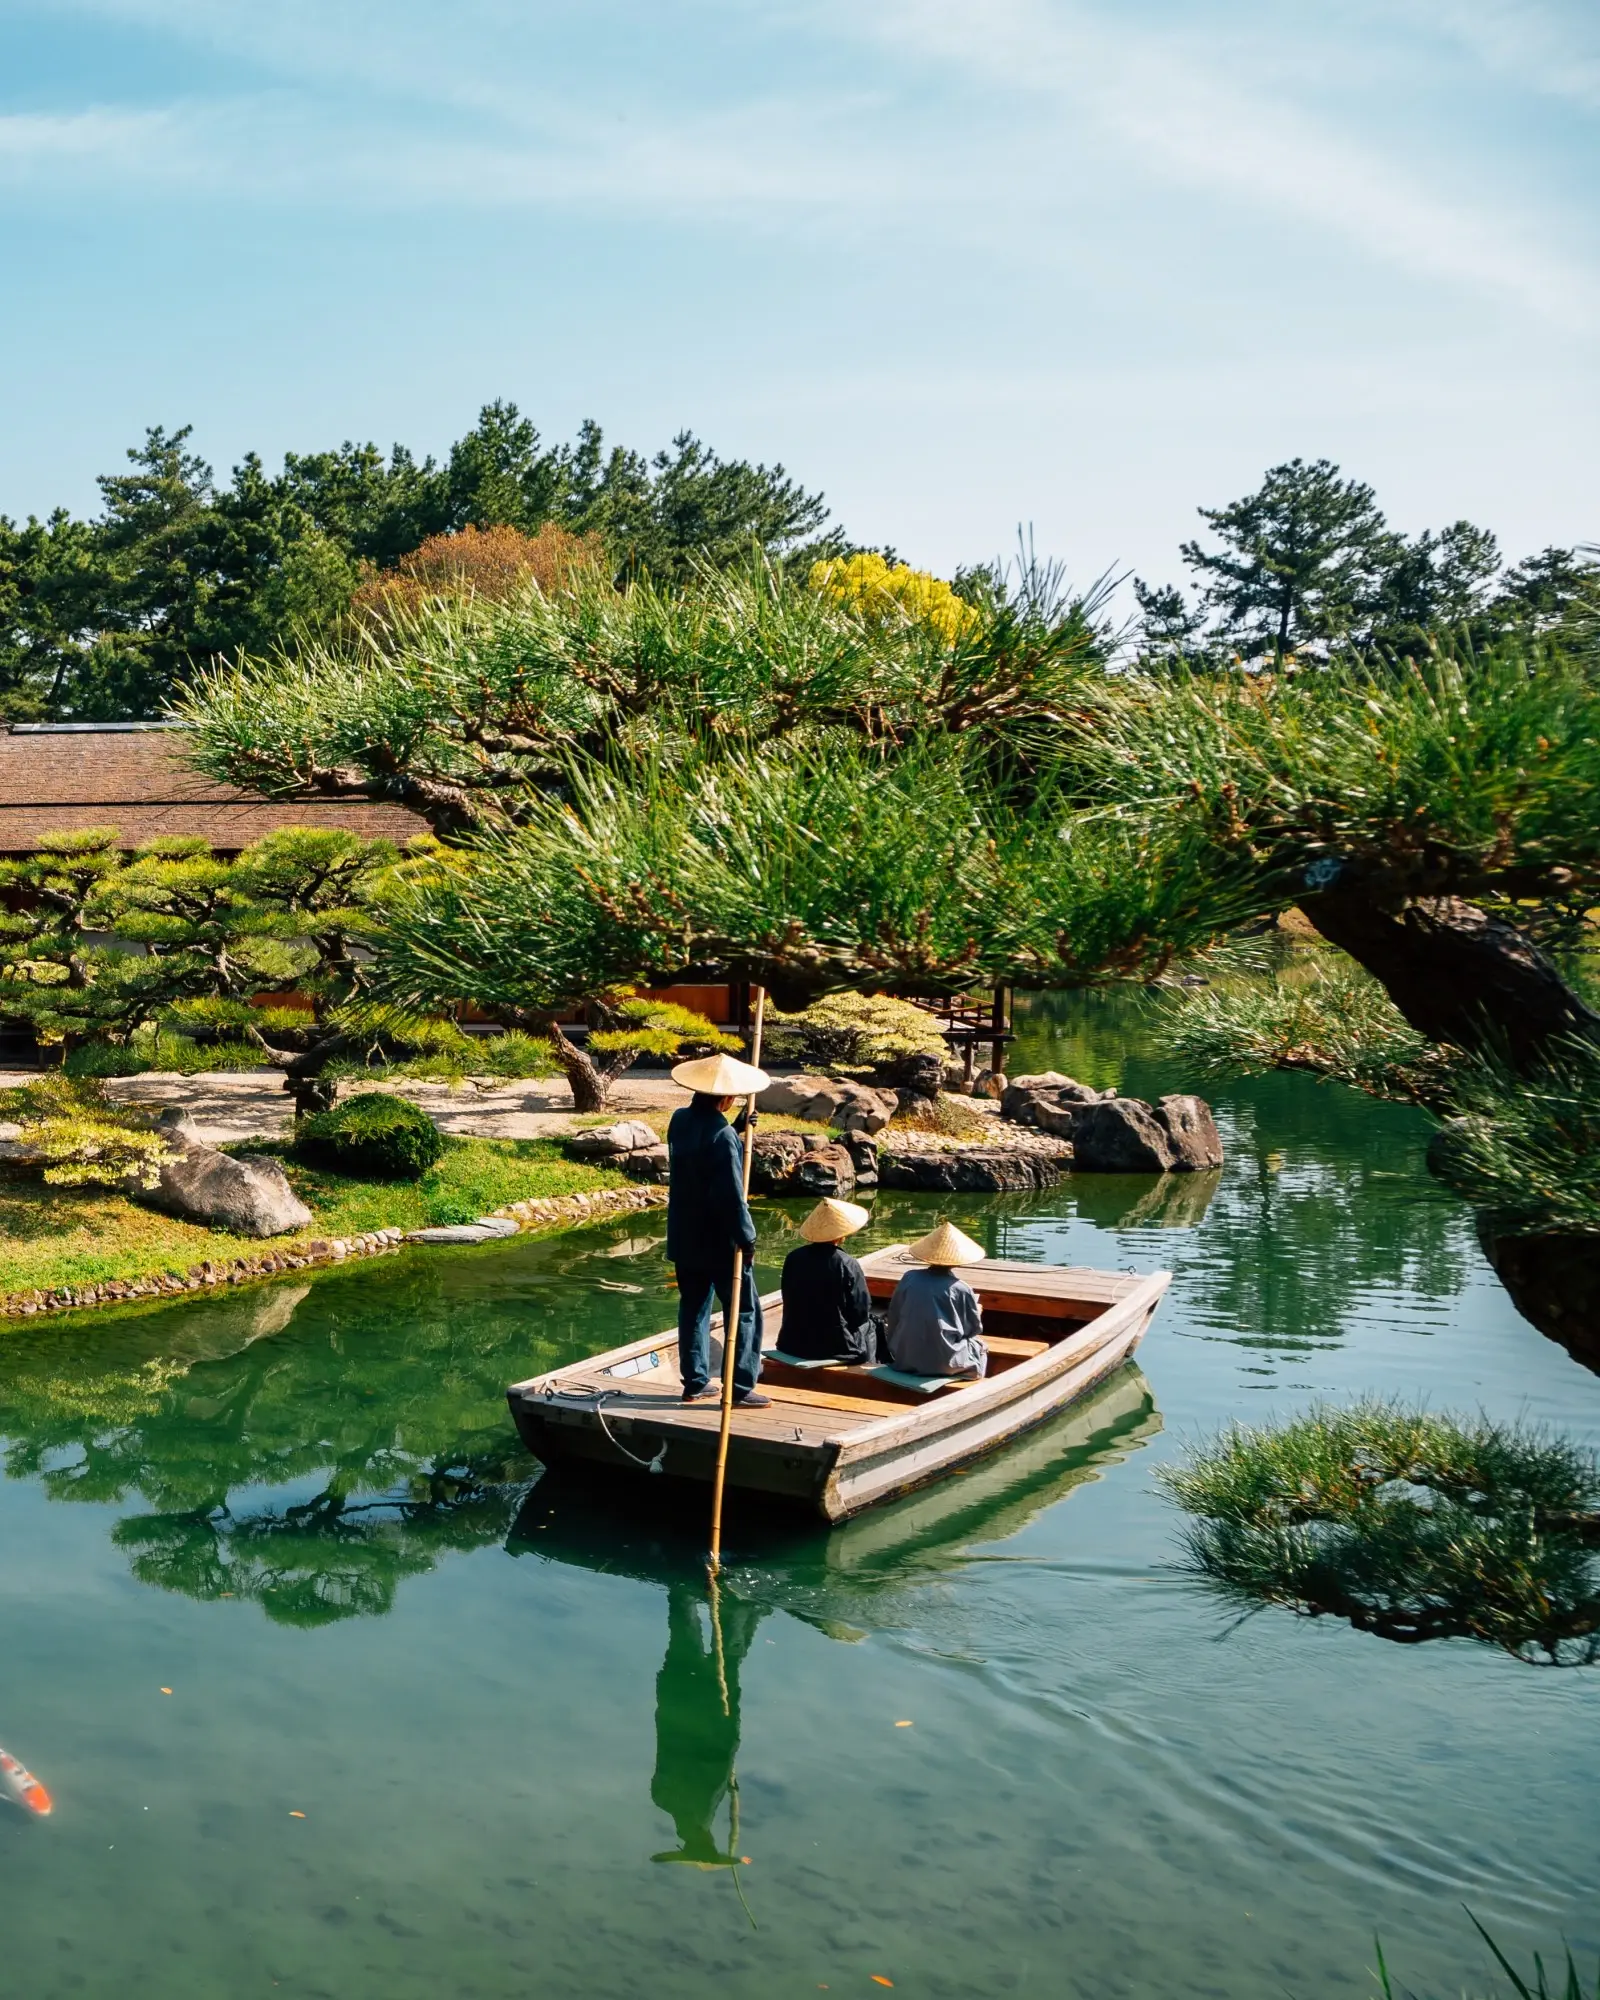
(69, 1237)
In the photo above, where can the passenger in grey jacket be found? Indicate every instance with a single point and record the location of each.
(935, 1319)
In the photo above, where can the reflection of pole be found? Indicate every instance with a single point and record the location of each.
(733, 1316)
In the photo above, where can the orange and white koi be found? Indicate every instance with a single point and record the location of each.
(23, 1789)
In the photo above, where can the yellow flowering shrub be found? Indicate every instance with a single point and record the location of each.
(866, 583)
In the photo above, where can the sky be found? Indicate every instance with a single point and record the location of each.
(1074, 267)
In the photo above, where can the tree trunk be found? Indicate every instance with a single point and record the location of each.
(1554, 1282)
(1457, 974)
(588, 1082)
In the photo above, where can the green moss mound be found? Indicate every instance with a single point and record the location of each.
(371, 1137)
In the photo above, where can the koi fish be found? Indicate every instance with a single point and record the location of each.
(22, 1788)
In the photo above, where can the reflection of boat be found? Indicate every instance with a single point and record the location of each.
(572, 1518)
(839, 1439)
(22, 1788)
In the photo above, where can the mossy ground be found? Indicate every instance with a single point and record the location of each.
(53, 1237)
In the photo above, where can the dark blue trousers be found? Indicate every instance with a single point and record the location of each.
(696, 1288)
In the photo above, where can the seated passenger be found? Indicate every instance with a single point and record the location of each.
(935, 1320)
(827, 1313)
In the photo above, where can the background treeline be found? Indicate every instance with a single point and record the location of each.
(103, 619)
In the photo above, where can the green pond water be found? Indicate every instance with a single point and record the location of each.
(495, 1701)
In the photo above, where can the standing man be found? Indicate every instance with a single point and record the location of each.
(708, 1218)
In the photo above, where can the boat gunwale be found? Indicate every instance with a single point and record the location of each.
(1011, 1384)
(950, 1411)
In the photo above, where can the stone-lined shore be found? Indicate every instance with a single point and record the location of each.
(318, 1252)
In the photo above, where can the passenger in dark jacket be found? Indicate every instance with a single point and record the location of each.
(827, 1310)
(708, 1218)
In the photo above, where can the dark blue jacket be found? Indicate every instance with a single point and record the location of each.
(707, 1214)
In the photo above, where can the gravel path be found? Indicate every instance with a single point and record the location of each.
(250, 1104)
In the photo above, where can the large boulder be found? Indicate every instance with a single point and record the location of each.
(863, 1150)
(1192, 1131)
(610, 1142)
(864, 1111)
(823, 1100)
(1024, 1097)
(773, 1157)
(921, 1074)
(1124, 1135)
(823, 1170)
(249, 1196)
(648, 1163)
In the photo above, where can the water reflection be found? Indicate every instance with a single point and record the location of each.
(841, 1581)
(709, 1632)
(330, 1557)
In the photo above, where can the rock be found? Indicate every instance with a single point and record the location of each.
(455, 1232)
(922, 1073)
(650, 1163)
(250, 1196)
(1059, 1120)
(773, 1157)
(865, 1111)
(607, 1142)
(863, 1152)
(814, 1097)
(1123, 1136)
(977, 1170)
(823, 1170)
(1196, 1142)
(849, 1107)
(1023, 1095)
(989, 1083)
(497, 1225)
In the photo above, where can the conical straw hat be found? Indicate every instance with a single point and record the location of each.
(721, 1076)
(947, 1245)
(830, 1221)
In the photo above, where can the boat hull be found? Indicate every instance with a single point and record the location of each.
(835, 1454)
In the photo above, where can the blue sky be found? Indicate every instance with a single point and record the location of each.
(964, 264)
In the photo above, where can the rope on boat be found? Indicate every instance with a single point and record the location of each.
(649, 1464)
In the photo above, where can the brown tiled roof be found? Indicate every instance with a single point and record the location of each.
(139, 782)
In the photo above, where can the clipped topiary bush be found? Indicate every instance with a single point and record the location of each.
(852, 1034)
(371, 1137)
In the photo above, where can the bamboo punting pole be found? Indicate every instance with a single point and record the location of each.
(732, 1316)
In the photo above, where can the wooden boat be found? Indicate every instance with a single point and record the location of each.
(837, 1439)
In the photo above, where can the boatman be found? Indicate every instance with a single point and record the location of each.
(708, 1219)
(827, 1310)
(935, 1320)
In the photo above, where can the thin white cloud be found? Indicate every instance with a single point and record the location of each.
(1553, 50)
(1173, 112)
(98, 136)
(1052, 111)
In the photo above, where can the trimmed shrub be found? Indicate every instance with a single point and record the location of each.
(371, 1137)
(853, 1033)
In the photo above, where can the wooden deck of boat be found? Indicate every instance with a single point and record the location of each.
(806, 1414)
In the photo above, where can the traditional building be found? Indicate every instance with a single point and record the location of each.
(61, 777)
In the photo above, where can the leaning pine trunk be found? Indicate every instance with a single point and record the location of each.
(1457, 974)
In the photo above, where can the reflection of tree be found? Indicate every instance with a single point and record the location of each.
(1325, 1199)
(328, 1558)
(697, 1717)
(381, 1401)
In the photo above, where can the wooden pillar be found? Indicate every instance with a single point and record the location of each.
(1000, 1026)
